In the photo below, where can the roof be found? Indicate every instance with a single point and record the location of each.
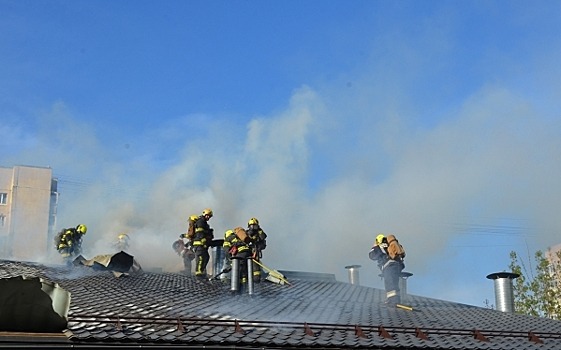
(152, 309)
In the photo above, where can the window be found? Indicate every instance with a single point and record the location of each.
(3, 198)
(2, 220)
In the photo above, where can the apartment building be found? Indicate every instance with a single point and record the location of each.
(28, 202)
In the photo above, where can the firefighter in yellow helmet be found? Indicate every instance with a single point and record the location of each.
(122, 242)
(68, 242)
(230, 249)
(391, 268)
(190, 228)
(258, 239)
(185, 248)
(242, 249)
(201, 240)
(378, 252)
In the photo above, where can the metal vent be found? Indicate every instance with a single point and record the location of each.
(353, 274)
(504, 296)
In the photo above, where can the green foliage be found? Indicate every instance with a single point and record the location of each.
(537, 291)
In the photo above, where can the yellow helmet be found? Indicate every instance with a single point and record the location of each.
(193, 217)
(253, 221)
(208, 212)
(379, 238)
(228, 233)
(82, 229)
(123, 236)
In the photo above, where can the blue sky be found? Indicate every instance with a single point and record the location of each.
(330, 121)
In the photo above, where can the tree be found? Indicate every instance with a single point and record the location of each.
(537, 292)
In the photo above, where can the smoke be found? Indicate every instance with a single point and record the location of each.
(492, 160)
(460, 183)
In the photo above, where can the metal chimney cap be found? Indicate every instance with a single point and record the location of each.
(497, 275)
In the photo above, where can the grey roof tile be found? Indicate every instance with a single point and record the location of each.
(167, 308)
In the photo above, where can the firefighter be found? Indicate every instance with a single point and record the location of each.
(185, 249)
(391, 269)
(230, 249)
(202, 237)
(242, 249)
(68, 242)
(190, 228)
(259, 242)
(185, 252)
(122, 243)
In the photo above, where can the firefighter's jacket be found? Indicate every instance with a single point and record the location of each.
(69, 241)
(379, 254)
(259, 239)
(240, 242)
(203, 233)
(230, 241)
(257, 236)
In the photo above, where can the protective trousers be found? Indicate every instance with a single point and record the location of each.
(391, 272)
(201, 260)
(256, 271)
(245, 257)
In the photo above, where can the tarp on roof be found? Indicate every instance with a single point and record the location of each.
(120, 263)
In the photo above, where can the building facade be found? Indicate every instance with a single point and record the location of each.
(28, 202)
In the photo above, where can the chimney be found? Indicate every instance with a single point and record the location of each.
(403, 276)
(353, 274)
(504, 296)
(217, 256)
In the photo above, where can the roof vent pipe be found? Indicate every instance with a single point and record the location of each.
(403, 276)
(353, 274)
(504, 295)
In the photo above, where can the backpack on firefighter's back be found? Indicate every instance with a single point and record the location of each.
(191, 228)
(242, 234)
(395, 249)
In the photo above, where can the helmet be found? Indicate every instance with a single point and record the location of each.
(253, 221)
(81, 229)
(379, 238)
(194, 217)
(208, 212)
(123, 236)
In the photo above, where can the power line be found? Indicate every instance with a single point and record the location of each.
(69, 184)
